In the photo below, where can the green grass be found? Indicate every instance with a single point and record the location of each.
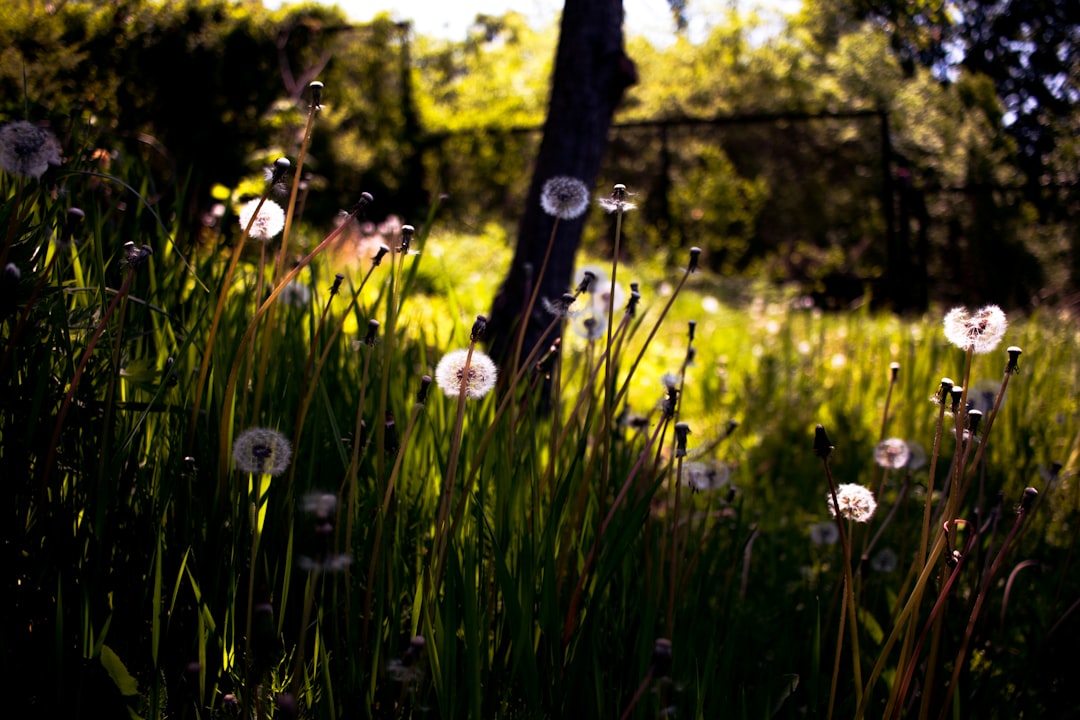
(540, 554)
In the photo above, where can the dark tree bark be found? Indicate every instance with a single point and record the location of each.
(591, 73)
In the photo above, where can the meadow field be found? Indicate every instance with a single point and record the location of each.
(258, 464)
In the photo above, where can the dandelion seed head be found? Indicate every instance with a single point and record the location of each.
(884, 561)
(824, 533)
(262, 450)
(568, 305)
(616, 202)
(564, 197)
(704, 476)
(296, 294)
(892, 453)
(856, 502)
(980, 331)
(27, 150)
(592, 326)
(916, 455)
(270, 221)
(451, 369)
(321, 505)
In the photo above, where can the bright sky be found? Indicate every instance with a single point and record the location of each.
(451, 18)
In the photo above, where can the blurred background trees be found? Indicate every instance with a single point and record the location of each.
(914, 151)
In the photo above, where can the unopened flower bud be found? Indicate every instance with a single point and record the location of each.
(281, 166)
(479, 328)
(822, 447)
(1014, 360)
(1030, 494)
(316, 88)
(372, 336)
(379, 255)
(682, 430)
(588, 278)
(957, 394)
(407, 232)
(695, 253)
(974, 417)
(421, 394)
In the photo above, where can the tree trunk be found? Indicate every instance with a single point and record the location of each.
(591, 72)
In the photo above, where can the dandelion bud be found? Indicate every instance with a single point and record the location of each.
(894, 370)
(693, 327)
(634, 287)
(338, 279)
(372, 336)
(695, 253)
(407, 232)
(136, 256)
(74, 219)
(12, 273)
(957, 393)
(365, 199)
(941, 397)
(681, 431)
(631, 305)
(379, 255)
(316, 88)
(974, 417)
(822, 447)
(281, 166)
(1030, 494)
(1014, 360)
(421, 394)
(479, 328)
(661, 657)
(671, 397)
(588, 278)
(732, 426)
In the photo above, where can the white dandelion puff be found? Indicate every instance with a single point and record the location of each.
(980, 331)
(451, 369)
(262, 450)
(564, 197)
(856, 502)
(270, 221)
